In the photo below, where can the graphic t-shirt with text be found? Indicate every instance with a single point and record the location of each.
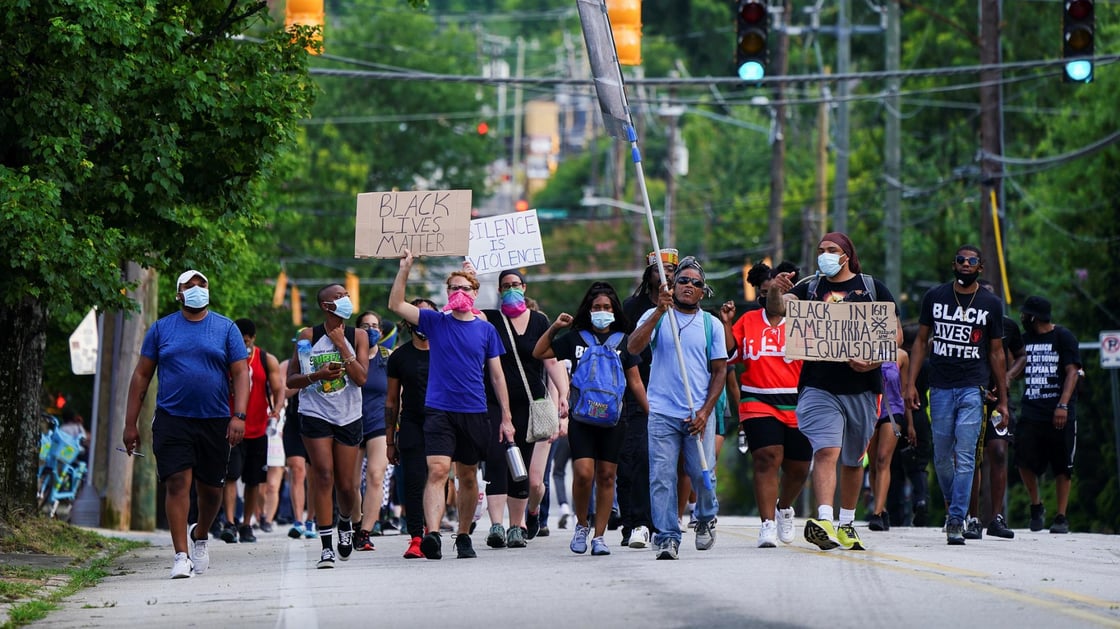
(961, 330)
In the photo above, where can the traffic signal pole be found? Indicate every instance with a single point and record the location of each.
(991, 140)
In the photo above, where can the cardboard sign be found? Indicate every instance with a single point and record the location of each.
(506, 241)
(822, 331)
(428, 223)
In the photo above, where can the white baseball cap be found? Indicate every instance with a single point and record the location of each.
(186, 276)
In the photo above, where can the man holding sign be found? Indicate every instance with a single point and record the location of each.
(836, 408)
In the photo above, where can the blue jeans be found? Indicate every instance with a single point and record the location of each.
(668, 440)
(956, 416)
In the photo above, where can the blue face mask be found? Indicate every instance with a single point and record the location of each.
(196, 297)
(602, 319)
(829, 263)
(343, 307)
(374, 336)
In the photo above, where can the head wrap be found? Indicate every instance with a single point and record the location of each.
(690, 262)
(847, 246)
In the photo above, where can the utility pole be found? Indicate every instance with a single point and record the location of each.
(991, 138)
(778, 142)
(817, 219)
(892, 166)
(843, 67)
(673, 113)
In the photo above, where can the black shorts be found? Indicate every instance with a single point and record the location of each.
(293, 440)
(190, 443)
(601, 443)
(373, 434)
(255, 463)
(236, 463)
(1039, 445)
(312, 427)
(461, 436)
(763, 432)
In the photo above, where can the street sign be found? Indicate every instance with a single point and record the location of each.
(1110, 349)
(83, 346)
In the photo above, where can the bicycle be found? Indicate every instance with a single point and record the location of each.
(60, 471)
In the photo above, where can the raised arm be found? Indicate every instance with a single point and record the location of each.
(397, 302)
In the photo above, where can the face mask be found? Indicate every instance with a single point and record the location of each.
(460, 301)
(1026, 321)
(417, 333)
(374, 336)
(829, 264)
(196, 297)
(513, 302)
(966, 279)
(602, 319)
(343, 307)
(762, 300)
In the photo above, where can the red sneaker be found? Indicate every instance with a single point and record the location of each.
(413, 551)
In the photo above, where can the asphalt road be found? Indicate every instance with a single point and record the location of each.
(907, 578)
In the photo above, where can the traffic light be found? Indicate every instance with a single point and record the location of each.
(626, 27)
(1077, 41)
(752, 21)
(307, 13)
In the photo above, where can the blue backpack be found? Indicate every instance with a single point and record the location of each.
(598, 382)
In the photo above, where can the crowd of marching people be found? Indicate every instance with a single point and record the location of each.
(426, 425)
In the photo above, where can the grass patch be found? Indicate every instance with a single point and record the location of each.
(81, 556)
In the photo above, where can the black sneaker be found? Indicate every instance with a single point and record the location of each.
(430, 546)
(1038, 515)
(1060, 525)
(463, 547)
(345, 543)
(998, 528)
(878, 522)
(229, 533)
(954, 532)
(973, 530)
(543, 532)
(625, 535)
(614, 521)
(921, 514)
(266, 527)
(245, 533)
(532, 525)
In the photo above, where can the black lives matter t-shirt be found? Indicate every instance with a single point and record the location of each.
(834, 377)
(961, 329)
(1048, 355)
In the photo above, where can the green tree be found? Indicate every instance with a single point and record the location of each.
(131, 131)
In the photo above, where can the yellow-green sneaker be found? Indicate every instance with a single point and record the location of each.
(848, 538)
(821, 533)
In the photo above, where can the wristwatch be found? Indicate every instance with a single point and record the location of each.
(240, 416)
(1063, 407)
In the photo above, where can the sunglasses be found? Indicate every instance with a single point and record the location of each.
(452, 289)
(682, 280)
(971, 260)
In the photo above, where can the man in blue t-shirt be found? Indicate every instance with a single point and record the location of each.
(463, 349)
(674, 424)
(965, 325)
(199, 353)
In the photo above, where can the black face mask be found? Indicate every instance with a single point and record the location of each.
(1027, 321)
(417, 333)
(762, 300)
(966, 279)
(685, 307)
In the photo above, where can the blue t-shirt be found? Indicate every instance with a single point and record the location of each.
(193, 359)
(457, 365)
(666, 386)
(375, 390)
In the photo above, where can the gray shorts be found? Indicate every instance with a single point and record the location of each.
(829, 420)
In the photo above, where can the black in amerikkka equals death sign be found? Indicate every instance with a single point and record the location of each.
(839, 332)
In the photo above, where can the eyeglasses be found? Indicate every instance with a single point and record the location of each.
(682, 280)
(971, 260)
(510, 285)
(453, 288)
(370, 326)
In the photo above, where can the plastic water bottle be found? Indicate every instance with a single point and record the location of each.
(996, 419)
(303, 349)
(516, 463)
(743, 447)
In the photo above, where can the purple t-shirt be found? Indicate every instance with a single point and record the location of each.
(457, 365)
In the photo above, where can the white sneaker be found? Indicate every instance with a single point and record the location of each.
(639, 537)
(768, 534)
(182, 567)
(783, 518)
(200, 554)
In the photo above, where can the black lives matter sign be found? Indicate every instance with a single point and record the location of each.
(839, 332)
(428, 223)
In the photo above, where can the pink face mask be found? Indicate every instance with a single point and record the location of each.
(461, 301)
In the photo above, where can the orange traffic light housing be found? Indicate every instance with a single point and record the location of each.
(307, 13)
(626, 28)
